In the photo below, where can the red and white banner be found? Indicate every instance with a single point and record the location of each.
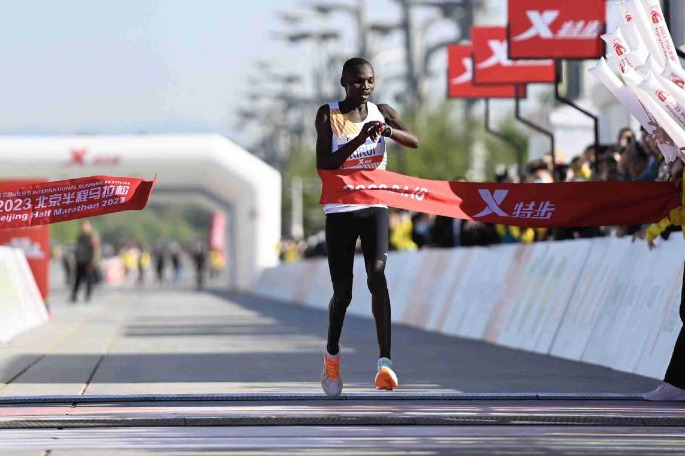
(460, 77)
(556, 29)
(491, 63)
(33, 241)
(529, 205)
(52, 202)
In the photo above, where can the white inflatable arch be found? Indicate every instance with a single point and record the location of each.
(209, 166)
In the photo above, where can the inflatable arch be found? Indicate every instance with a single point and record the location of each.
(210, 167)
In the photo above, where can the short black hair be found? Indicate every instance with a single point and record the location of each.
(537, 165)
(355, 62)
(624, 130)
(610, 160)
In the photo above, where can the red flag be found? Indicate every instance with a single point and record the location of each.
(493, 66)
(556, 29)
(52, 202)
(530, 205)
(460, 77)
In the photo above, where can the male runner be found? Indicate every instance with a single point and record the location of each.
(351, 134)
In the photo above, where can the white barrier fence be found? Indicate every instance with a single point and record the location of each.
(602, 301)
(21, 305)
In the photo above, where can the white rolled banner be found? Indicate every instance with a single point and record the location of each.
(607, 77)
(647, 67)
(615, 65)
(634, 106)
(632, 35)
(660, 30)
(630, 59)
(616, 42)
(659, 94)
(636, 58)
(623, 52)
(662, 118)
(674, 90)
(675, 73)
(633, 11)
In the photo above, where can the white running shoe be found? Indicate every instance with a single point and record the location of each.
(665, 392)
(331, 380)
(386, 379)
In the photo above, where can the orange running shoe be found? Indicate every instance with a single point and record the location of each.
(331, 380)
(386, 379)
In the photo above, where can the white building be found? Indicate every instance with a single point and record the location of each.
(208, 169)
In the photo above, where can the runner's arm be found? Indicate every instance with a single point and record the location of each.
(325, 159)
(400, 133)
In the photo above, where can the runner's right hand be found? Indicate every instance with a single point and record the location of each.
(371, 130)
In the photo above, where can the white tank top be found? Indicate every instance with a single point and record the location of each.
(370, 155)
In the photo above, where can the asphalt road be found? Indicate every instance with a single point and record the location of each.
(202, 352)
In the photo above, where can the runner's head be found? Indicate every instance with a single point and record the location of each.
(358, 80)
(86, 227)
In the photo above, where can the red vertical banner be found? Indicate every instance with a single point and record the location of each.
(491, 63)
(217, 243)
(460, 77)
(34, 241)
(556, 29)
(217, 232)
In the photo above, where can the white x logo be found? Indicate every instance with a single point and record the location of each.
(499, 55)
(468, 74)
(541, 23)
(493, 201)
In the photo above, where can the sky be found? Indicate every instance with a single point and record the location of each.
(158, 66)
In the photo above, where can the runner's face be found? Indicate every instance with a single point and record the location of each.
(359, 82)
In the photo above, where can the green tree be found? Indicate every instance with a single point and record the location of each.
(445, 140)
(183, 223)
(302, 163)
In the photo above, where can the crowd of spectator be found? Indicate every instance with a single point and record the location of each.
(166, 263)
(171, 262)
(631, 158)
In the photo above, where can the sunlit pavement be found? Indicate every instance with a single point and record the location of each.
(413, 440)
(181, 372)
